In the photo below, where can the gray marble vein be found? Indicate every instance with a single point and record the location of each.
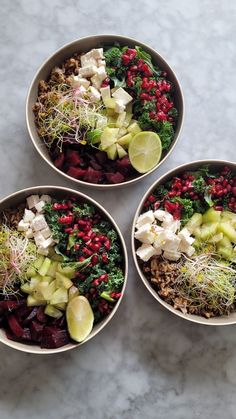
(147, 363)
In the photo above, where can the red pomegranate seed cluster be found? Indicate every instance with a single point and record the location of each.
(151, 89)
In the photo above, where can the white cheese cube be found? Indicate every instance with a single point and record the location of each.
(87, 60)
(42, 251)
(190, 251)
(96, 53)
(45, 198)
(105, 92)
(38, 238)
(145, 235)
(185, 236)
(28, 216)
(101, 63)
(96, 81)
(145, 252)
(145, 218)
(171, 242)
(22, 226)
(80, 81)
(101, 73)
(39, 206)
(121, 95)
(119, 106)
(159, 214)
(174, 226)
(39, 223)
(172, 255)
(32, 201)
(167, 220)
(94, 94)
(46, 232)
(29, 233)
(88, 71)
(47, 243)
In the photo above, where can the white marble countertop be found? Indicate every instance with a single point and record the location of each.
(147, 363)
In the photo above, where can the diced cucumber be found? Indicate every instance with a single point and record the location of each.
(63, 281)
(35, 280)
(134, 127)
(108, 137)
(207, 230)
(228, 230)
(122, 132)
(26, 288)
(61, 306)
(225, 248)
(39, 261)
(211, 215)
(52, 311)
(112, 152)
(31, 272)
(53, 268)
(121, 151)
(127, 119)
(66, 270)
(44, 291)
(228, 215)
(111, 123)
(110, 112)
(43, 270)
(121, 119)
(73, 292)
(125, 140)
(109, 102)
(31, 301)
(194, 222)
(59, 296)
(216, 238)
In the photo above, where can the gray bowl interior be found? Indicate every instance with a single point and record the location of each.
(83, 45)
(216, 165)
(58, 192)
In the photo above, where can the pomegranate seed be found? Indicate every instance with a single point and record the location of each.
(144, 96)
(107, 244)
(80, 234)
(81, 259)
(103, 238)
(95, 282)
(218, 208)
(152, 115)
(96, 247)
(104, 277)
(104, 258)
(68, 230)
(86, 238)
(86, 251)
(76, 247)
(151, 198)
(234, 191)
(125, 59)
(133, 68)
(156, 205)
(94, 260)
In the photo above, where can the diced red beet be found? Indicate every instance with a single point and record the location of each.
(61, 322)
(102, 158)
(124, 164)
(15, 326)
(54, 338)
(41, 316)
(23, 312)
(93, 176)
(36, 330)
(59, 161)
(8, 305)
(76, 172)
(115, 177)
(73, 158)
(31, 316)
(95, 165)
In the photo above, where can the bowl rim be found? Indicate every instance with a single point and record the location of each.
(81, 182)
(213, 321)
(35, 349)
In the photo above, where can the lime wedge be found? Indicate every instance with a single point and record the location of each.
(79, 316)
(145, 151)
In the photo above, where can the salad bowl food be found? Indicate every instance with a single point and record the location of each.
(105, 110)
(184, 241)
(63, 269)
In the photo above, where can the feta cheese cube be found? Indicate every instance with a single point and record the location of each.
(38, 238)
(39, 223)
(145, 218)
(171, 242)
(185, 236)
(87, 60)
(28, 216)
(144, 234)
(101, 63)
(159, 214)
(39, 206)
(174, 226)
(93, 94)
(105, 92)
(29, 233)
(47, 243)
(121, 95)
(80, 81)
(172, 255)
(22, 226)
(145, 252)
(42, 251)
(190, 251)
(96, 53)
(96, 81)
(101, 73)
(32, 201)
(88, 71)
(119, 106)
(46, 232)
(45, 198)
(167, 220)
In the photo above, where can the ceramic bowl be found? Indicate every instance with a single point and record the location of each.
(215, 164)
(19, 197)
(84, 45)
